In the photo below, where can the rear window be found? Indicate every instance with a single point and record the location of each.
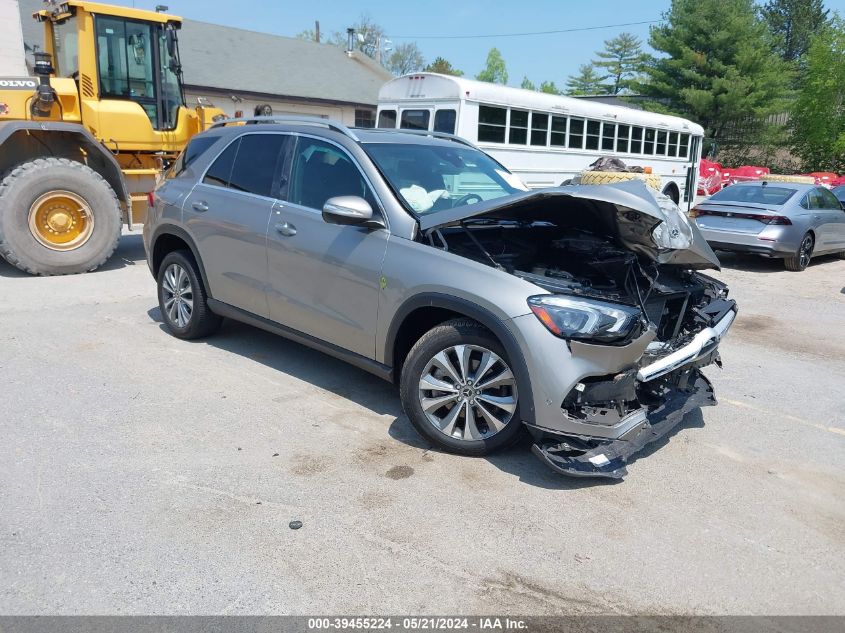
(755, 194)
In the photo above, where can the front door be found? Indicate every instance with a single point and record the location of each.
(324, 278)
(227, 215)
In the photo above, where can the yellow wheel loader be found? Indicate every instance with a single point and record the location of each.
(84, 142)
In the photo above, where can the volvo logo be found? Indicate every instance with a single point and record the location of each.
(24, 83)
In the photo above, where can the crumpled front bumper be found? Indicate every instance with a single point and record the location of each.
(608, 459)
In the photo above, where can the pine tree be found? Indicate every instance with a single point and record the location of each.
(622, 59)
(793, 23)
(549, 87)
(494, 71)
(527, 84)
(442, 66)
(586, 82)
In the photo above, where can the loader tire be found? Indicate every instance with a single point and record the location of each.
(57, 217)
(807, 180)
(610, 177)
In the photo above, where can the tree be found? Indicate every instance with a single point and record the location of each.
(494, 71)
(308, 34)
(440, 65)
(586, 82)
(718, 67)
(549, 87)
(404, 59)
(368, 36)
(622, 59)
(818, 114)
(527, 84)
(793, 23)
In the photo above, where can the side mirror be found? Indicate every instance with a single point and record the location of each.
(348, 210)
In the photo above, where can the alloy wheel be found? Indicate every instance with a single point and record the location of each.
(468, 392)
(805, 252)
(178, 295)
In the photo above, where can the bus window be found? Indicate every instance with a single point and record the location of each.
(622, 138)
(673, 144)
(518, 131)
(491, 124)
(608, 136)
(444, 121)
(593, 133)
(387, 118)
(558, 131)
(683, 152)
(637, 140)
(648, 146)
(576, 133)
(661, 143)
(415, 119)
(539, 128)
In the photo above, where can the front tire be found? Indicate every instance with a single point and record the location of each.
(459, 391)
(183, 299)
(57, 217)
(801, 259)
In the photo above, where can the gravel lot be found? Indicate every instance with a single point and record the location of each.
(143, 474)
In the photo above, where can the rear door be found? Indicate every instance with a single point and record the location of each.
(324, 278)
(227, 215)
(832, 219)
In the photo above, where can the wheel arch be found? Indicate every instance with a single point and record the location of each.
(420, 313)
(168, 238)
(24, 141)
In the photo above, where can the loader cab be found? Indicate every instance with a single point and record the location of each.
(126, 66)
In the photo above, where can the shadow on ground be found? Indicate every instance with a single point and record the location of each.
(356, 385)
(758, 264)
(129, 252)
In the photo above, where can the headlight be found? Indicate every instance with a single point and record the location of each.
(584, 319)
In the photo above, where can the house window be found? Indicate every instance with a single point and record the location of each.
(365, 118)
(491, 124)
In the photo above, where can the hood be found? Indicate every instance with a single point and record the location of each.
(642, 219)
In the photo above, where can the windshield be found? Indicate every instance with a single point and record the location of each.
(431, 178)
(754, 193)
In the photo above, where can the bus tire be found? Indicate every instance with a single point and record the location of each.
(807, 180)
(610, 177)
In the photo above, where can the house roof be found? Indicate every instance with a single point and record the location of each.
(236, 60)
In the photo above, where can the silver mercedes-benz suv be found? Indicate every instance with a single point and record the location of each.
(575, 312)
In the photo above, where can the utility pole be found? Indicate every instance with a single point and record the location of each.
(317, 31)
(378, 49)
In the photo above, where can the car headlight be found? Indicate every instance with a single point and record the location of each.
(584, 319)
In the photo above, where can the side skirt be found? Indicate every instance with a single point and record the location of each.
(362, 362)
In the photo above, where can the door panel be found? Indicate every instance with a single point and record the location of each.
(833, 218)
(324, 278)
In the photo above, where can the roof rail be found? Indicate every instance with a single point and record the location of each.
(443, 135)
(306, 120)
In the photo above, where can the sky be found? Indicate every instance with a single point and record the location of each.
(550, 57)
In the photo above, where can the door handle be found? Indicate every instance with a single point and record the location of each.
(286, 228)
(200, 206)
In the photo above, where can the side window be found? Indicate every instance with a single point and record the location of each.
(593, 131)
(415, 119)
(220, 170)
(491, 124)
(622, 138)
(683, 150)
(661, 143)
(539, 128)
(648, 146)
(558, 137)
(673, 144)
(637, 140)
(805, 201)
(194, 150)
(518, 131)
(256, 164)
(608, 136)
(387, 119)
(444, 121)
(828, 200)
(576, 133)
(321, 171)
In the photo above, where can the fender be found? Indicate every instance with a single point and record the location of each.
(182, 234)
(63, 140)
(488, 320)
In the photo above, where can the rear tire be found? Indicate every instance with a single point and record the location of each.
(479, 413)
(57, 217)
(183, 299)
(801, 259)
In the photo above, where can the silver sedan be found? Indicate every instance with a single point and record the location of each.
(785, 220)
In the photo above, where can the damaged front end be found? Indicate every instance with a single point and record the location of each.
(617, 271)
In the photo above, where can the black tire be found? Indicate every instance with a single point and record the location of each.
(801, 259)
(436, 340)
(24, 184)
(202, 321)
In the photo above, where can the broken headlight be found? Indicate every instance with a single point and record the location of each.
(585, 319)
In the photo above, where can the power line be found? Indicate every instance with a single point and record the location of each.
(469, 37)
